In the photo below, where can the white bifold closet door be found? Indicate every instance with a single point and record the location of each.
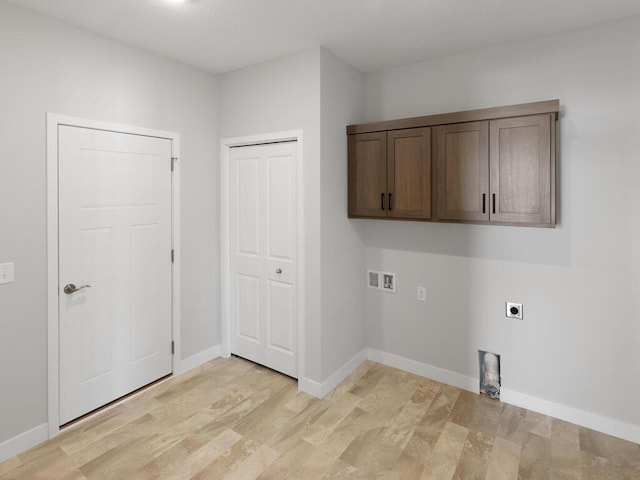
(115, 262)
(263, 263)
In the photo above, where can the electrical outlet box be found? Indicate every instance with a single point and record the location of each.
(6, 273)
(381, 281)
(513, 310)
(389, 282)
(373, 279)
(421, 294)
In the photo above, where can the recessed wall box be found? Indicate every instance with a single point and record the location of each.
(373, 279)
(389, 282)
(489, 374)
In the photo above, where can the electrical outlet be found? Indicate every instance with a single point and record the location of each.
(6, 273)
(421, 294)
(513, 310)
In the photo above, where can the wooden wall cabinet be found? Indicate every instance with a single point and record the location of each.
(494, 165)
(521, 175)
(495, 171)
(462, 171)
(368, 174)
(390, 174)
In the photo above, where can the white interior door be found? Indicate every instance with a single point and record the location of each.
(115, 237)
(263, 264)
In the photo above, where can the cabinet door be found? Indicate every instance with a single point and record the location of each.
(462, 171)
(521, 173)
(409, 173)
(368, 174)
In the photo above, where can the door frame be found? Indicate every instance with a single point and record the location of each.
(225, 292)
(53, 315)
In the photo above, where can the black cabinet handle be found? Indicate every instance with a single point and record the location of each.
(382, 201)
(484, 203)
(493, 201)
(390, 205)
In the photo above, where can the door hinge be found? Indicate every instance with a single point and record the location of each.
(173, 347)
(173, 255)
(173, 161)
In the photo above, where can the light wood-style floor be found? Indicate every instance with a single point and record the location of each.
(233, 419)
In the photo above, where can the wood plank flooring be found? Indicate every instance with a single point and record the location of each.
(231, 419)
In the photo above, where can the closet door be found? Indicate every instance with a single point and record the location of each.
(263, 263)
(462, 171)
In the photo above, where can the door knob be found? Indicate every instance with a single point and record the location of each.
(279, 271)
(71, 288)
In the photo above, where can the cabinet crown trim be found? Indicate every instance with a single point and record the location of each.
(535, 108)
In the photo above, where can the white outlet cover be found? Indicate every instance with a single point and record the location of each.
(6, 273)
(421, 294)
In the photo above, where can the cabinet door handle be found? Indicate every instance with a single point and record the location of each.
(484, 203)
(493, 202)
(390, 205)
(382, 201)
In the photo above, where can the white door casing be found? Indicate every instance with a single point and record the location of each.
(228, 283)
(263, 233)
(138, 223)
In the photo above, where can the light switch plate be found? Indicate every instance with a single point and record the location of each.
(6, 273)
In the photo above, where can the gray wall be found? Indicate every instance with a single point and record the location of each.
(48, 66)
(279, 95)
(319, 93)
(579, 342)
(580, 283)
(343, 278)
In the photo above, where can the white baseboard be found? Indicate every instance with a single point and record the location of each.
(617, 428)
(424, 370)
(343, 372)
(197, 359)
(583, 418)
(39, 434)
(311, 387)
(574, 415)
(24, 441)
(321, 390)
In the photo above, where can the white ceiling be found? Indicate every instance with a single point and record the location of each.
(224, 35)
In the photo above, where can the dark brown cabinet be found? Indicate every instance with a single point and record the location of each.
(497, 171)
(368, 174)
(521, 174)
(390, 174)
(462, 171)
(495, 165)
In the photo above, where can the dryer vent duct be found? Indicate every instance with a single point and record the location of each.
(489, 374)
